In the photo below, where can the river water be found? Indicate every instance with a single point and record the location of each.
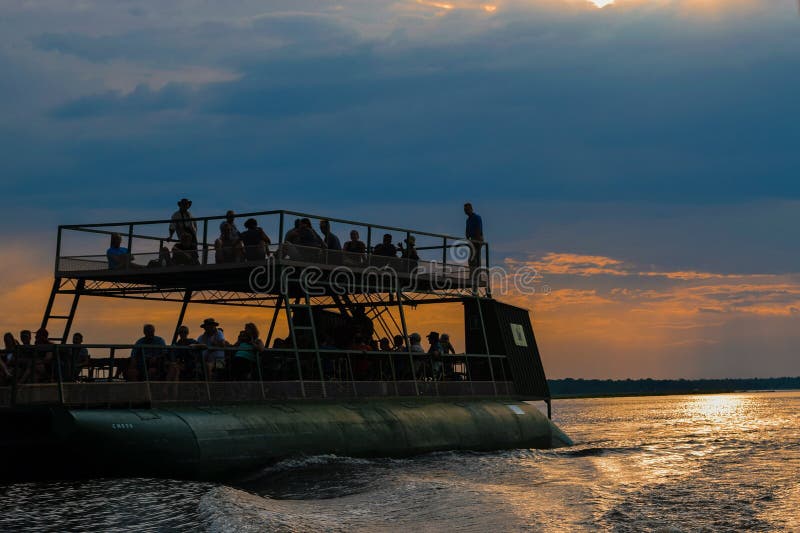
(678, 463)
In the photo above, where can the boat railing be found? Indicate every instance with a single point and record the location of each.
(168, 375)
(81, 248)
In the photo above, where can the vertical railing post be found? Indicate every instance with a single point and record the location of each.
(112, 367)
(60, 375)
(444, 254)
(369, 245)
(488, 274)
(147, 379)
(260, 375)
(15, 368)
(205, 241)
(205, 374)
(130, 239)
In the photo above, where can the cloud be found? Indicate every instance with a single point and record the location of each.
(140, 100)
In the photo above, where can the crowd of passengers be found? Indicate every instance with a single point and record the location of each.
(212, 356)
(252, 243)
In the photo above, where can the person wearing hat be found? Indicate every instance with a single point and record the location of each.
(435, 353)
(182, 221)
(212, 338)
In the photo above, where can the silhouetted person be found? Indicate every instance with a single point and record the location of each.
(355, 245)
(474, 234)
(244, 359)
(230, 218)
(309, 237)
(183, 363)
(185, 251)
(79, 358)
(213, 339)
(255, 241)
(146, 355)
(409, 252)
(228, 247)
(118, 256)
(293, 235)
(331, 241)
(182, 222)
(386, 248)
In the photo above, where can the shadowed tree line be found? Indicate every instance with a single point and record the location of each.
(611, 387)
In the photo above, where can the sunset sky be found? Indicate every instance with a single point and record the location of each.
(641, 156)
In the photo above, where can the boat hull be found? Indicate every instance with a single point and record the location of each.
(224, 441)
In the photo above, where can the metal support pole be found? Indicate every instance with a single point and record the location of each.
(288, 308)
(58, 250)
(444, 253)
(271, 331)
(73, 308)
(486, 343)
(186, 297)
(405, 336)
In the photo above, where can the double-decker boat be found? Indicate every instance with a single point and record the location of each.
(313, 393)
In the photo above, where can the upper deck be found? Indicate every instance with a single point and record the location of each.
(442, 264)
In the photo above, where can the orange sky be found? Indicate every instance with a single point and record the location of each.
(602, 317)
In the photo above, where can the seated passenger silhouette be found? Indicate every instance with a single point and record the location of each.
(185, 251)
(146, 355)
(386, 248)
(331, 240)
(255, 241)
(409, 252)
(230, 218)
(354, 249)
(118, 256)
(228, 247)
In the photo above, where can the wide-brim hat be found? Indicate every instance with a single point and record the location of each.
(209, 322)
(185, 201)
(432, 334)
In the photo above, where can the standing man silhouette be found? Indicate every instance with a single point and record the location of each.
(474, 234)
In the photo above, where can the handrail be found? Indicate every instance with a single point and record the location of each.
(62, 354)
(79, 227)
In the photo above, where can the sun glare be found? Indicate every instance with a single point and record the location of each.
(602, 3)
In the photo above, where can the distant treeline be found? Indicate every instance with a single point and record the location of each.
(611, 387)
